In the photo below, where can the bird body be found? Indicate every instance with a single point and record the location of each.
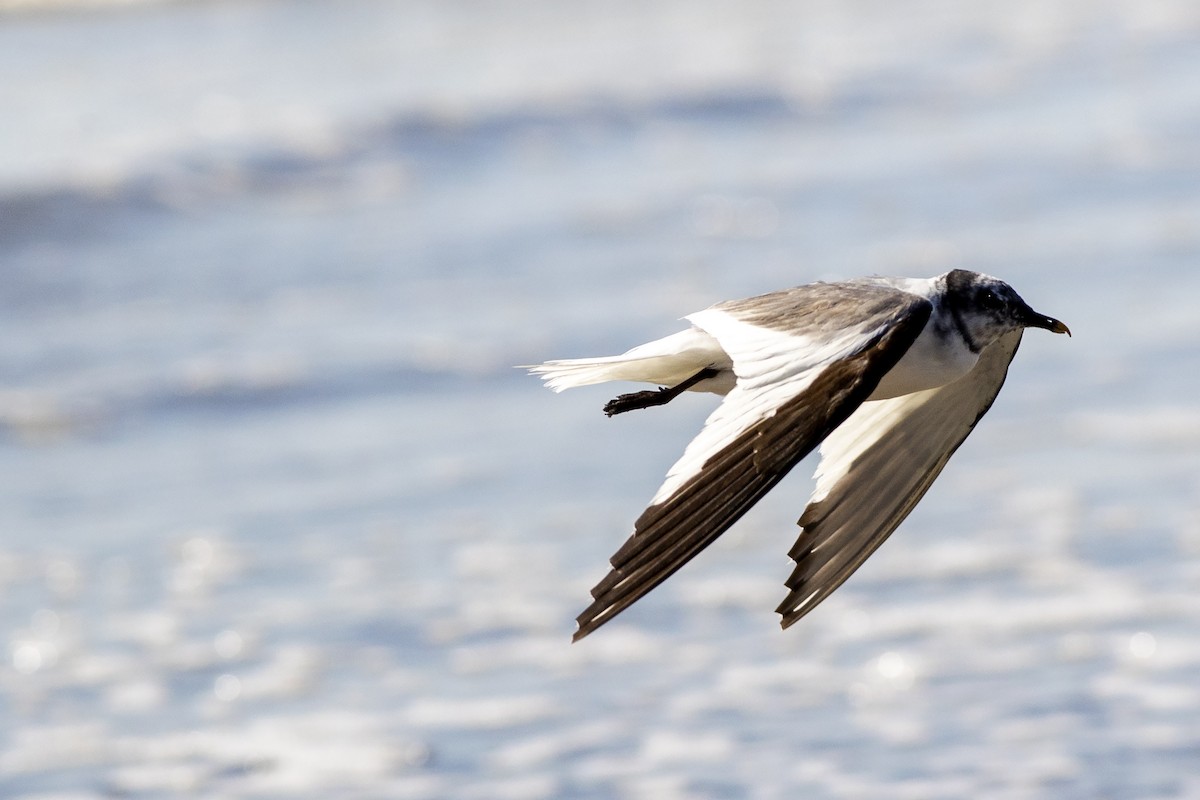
(886, 375)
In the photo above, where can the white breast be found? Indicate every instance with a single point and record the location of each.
(932, 361)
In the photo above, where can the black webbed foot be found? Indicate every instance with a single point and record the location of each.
(634, 400)
(655, 397)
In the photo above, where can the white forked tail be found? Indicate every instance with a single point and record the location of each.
(666, 362)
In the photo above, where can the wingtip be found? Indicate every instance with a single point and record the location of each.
(789, 616)
(585, 626)
(796, 605)
(592, 618)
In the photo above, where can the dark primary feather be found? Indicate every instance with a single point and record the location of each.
(670, 533)
(847, 525)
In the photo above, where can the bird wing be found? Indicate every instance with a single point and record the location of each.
(804, 358)
(876, 467)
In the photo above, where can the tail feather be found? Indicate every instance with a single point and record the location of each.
(666, 362)
(568, 373)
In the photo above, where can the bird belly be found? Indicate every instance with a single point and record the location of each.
(935, 359)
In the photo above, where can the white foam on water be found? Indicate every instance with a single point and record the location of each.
(279, 518)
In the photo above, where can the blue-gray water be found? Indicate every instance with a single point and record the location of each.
(279, 519)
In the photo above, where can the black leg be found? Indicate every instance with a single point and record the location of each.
(655, 397)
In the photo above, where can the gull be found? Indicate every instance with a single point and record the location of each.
(887, 375)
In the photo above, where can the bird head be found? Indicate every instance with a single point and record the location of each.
(986, 308)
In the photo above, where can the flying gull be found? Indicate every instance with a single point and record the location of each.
(887, 375)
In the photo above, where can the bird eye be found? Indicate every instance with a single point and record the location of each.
(990, 300)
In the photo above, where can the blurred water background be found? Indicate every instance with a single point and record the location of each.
(279, 519)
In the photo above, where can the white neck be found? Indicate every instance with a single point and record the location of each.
(938, 356)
